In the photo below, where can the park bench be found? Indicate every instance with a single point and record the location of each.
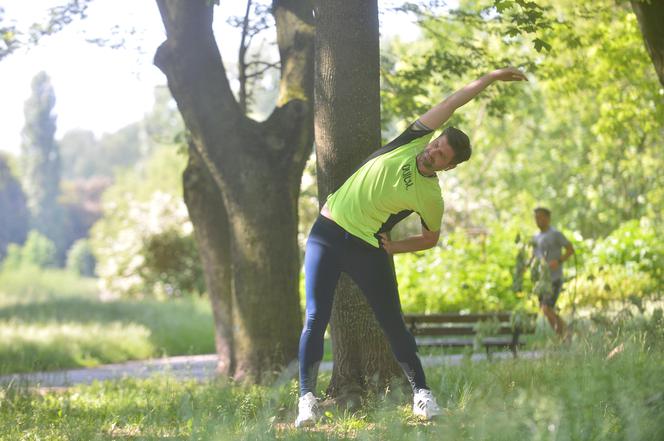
(491, 330)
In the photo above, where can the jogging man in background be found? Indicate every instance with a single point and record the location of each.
(350, 236)
(547, 244)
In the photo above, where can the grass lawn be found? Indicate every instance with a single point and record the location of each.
(574, 393)
(54, 320)
(51, 320)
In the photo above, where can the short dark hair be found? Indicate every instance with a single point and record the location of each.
(543, 210)
(459, 142)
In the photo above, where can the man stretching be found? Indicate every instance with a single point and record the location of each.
(350, 236)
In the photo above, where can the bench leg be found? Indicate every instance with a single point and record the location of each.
(513, 348)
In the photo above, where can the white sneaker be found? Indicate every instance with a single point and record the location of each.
(424, 404)
(307, 414)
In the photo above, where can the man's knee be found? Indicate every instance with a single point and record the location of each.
(315, 323)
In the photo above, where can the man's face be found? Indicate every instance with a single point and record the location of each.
(438, 155)
(542, 220)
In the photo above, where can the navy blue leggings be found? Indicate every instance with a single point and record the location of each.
(330, 251)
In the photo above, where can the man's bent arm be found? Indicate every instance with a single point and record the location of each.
(442, 111)
(428, 239)
(569, 250)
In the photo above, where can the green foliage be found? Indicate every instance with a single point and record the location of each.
(41, 163)
(37, 251)
(13, 36)
(80, 259)
(8, 36)
(144, 242)
(625, 266)
(583, 138)
(476, 273)
(470, 273)
(604, 286)
(635, 245)
(520, 265)
(14, 215)
(172, 263)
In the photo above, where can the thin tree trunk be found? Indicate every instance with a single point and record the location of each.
(651, 20)
(347, 130)
(208, 215)
(257, 169)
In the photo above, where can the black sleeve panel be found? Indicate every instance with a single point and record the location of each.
(414, 131)
(393, 220)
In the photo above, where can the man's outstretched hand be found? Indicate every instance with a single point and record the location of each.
(508, 74)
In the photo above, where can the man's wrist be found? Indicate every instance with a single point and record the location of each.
(493, 75)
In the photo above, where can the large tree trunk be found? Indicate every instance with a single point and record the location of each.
(347, 130)
(208, 215)
(257, 169)
(651, 19)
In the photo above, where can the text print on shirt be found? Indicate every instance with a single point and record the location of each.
(407, 175)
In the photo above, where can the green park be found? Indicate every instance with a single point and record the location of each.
(332, 220)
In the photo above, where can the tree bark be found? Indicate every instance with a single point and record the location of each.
(208, 215)
(347, 130)
(651, 20)
(257, 169)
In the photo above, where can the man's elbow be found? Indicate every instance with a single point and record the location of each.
(432, 241)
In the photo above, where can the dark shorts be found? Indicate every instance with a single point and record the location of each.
(557, 285)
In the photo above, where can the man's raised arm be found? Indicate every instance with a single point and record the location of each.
(442, 111)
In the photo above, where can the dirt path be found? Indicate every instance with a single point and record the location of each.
(198, 367)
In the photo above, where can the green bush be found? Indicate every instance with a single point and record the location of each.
(627, 266)
(172, 263)
(485, 272)
(80, 259)
(144, 243)
(37, 251)
(605, 285)
(464, 272)
(636, 245)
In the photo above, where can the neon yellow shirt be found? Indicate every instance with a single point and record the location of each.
(387, 188)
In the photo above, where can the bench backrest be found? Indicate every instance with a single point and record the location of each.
(463, 324)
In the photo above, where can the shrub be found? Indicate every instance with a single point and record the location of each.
(80, 259)
(135, 258)
(172, 263)
(463, 272)
(601, 286)
(635, 244)
(38, 251)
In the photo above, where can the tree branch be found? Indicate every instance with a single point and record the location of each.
(190, 52)
(241, 64)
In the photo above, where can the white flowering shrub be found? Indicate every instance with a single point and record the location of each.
(144, 242)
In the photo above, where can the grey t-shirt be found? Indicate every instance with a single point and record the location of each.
(549, 244)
